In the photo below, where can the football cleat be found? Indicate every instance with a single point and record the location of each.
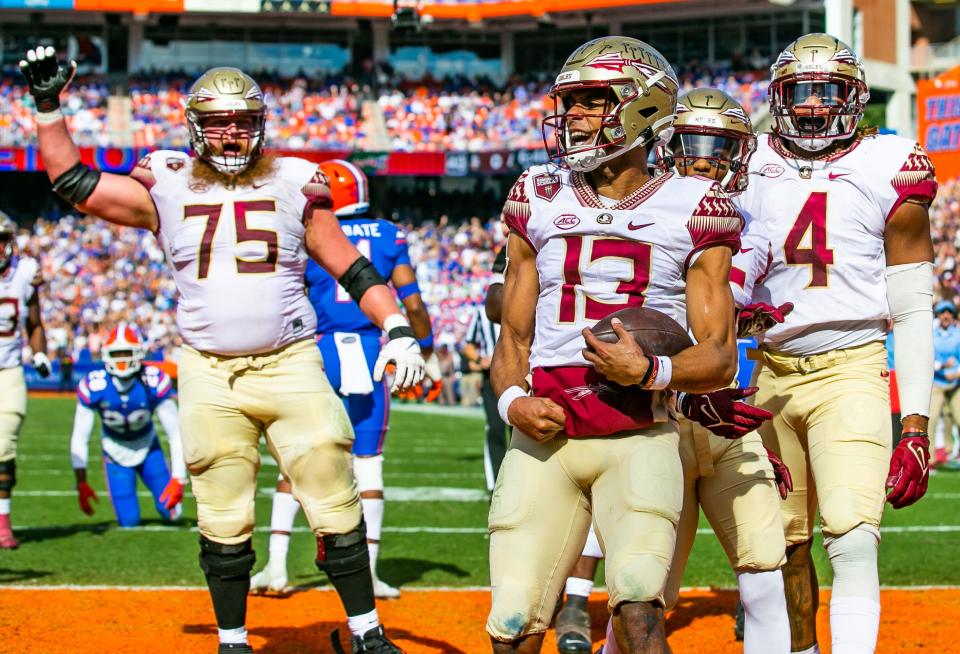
(374, 641)
(234, 648)
(383, 590)
(573, 631)
(8, 541)
(268, 581)
(738, 624)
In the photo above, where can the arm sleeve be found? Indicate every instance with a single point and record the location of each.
(167, 412)
(910, 295)
(83, 419)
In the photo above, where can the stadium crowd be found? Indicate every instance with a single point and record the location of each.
(945, 229)
(97, 275)
(459, 114)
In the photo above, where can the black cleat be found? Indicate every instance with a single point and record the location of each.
(573, 630)
(738, 624)
(234, 648)
(374, 641)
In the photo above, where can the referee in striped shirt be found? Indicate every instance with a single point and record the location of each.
(484, 330)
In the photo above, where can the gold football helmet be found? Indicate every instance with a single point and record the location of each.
(640, 90)
(818, 91)
(711, 131)
(8, 236)
(220, 98)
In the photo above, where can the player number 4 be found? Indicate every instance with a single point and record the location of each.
(813, 219)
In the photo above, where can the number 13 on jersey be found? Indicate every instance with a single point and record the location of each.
(813, 219)
(582, 253)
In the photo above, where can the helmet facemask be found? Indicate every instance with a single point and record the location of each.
(816, 109)
(123, 361)
(230, 141)
(726, 153)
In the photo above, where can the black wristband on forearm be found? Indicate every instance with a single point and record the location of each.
(360, 276)
(401, 332)
(77, 184)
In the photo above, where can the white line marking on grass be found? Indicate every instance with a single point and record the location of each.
(393, 493)
(436, 409)
(262, 529)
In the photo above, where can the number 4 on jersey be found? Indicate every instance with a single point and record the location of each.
(813, 219)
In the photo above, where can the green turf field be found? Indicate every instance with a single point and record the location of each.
(435, 518)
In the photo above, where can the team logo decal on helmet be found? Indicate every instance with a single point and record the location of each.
(219, 96)
(818, 92)
(123, 353)
(640, 99)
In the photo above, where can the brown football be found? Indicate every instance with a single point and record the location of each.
(657, 333)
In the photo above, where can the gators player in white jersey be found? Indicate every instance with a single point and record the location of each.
(593, 436)
(19, 321)
(237, 227)
(350, 345)
(846, 211)
(126, 395)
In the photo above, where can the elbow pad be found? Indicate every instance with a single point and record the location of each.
(77, 184)
(910, 296)
(360, 276)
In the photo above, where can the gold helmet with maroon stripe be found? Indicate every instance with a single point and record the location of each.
(222, 96)
(713, 127)
(818, 91)
(641, 96)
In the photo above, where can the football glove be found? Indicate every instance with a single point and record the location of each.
(84, 495)
(46, 78)
(723, 412)
(42, 364)
(172, 494)
(431, 369)
(909, 471)
(781, 474)
(756, 318)
(402, 349)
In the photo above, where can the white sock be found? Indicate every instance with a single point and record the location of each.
(279, 545)
(361, 624)
(766, 628)
(855, 600)
(5, 506)
(285, 507)
(236, 636)
(373, 516)
(854, 624)
(592, 546)
(374, 549)
(810, 650)
(579, 586)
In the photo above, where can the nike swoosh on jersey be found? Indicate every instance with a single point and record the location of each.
(745, 250)
(834, 176)
(633, 227)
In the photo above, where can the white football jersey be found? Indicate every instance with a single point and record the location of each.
(237, 254)
(595, 260)
(826, 221)
(16, 290)
(752, 261)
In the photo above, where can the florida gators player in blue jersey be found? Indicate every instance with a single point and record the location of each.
(350, 344)
(126, 395)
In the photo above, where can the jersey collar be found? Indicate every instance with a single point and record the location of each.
(587, 196)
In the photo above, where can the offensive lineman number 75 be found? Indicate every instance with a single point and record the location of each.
(244, 233)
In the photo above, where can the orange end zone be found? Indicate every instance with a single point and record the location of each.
(66, 621)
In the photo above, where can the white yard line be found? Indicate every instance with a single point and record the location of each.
(393, 494)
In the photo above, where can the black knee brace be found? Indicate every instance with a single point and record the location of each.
(344, 554)
(226, 561)
(8, 475)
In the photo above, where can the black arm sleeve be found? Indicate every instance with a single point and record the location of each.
(360, 276)
(76, 184)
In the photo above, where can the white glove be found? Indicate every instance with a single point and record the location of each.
(42, 364)
(404, 351)
(432, 368)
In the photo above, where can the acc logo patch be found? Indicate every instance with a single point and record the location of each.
(174, 164)
(772, 170)
(546, 186)
(566, 221)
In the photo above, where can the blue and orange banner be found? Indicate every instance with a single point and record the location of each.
(938, 121)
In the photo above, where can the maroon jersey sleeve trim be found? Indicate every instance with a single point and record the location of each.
(317, 192)
(715, 222)
(516, 210)
(915, 180)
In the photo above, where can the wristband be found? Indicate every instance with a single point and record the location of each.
(425, 342)
(506, 399)
(405, 291)
(659, 374)
(49, 117)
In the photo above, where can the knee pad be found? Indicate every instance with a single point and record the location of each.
(842, 510)
(226, 561)
(343, 554)
(854, 560)
(8, 474)
(369, 472)
(643, 579)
